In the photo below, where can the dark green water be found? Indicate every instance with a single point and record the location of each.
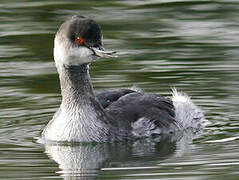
(191, 45)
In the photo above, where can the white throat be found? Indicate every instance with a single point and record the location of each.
(66, 54)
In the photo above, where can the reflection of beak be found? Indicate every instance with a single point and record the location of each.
(100, 52)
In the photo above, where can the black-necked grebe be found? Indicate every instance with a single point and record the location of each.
(115, 115)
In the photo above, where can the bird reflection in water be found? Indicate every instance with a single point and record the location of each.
(86, 160)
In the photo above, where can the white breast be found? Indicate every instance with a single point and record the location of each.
(76, 126)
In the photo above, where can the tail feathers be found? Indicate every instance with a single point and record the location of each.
(187, 113)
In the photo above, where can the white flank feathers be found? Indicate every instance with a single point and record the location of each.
(186, 112)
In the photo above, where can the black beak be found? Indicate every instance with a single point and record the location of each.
(100, 52)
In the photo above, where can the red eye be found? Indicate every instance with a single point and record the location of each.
(80, 40)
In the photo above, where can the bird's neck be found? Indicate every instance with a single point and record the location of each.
(76, 85)
(80, 116)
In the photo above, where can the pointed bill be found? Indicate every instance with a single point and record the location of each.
(102, 53)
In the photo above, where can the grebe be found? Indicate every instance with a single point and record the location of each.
(114, 115)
